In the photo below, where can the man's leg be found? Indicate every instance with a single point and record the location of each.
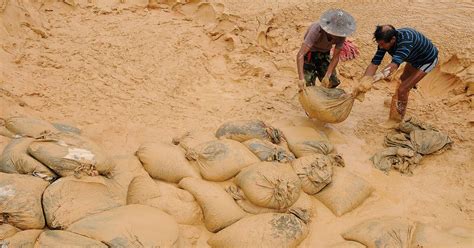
(400, 99)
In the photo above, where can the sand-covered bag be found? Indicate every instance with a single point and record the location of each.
(54, 238)
(248, 129)
(71, 154)
(221, 159)
(428, 141)
(327, 105)
(20, 201)
(305, 141)
(270, 230)
(345, 192)
(178, 203)
(217, 205)
(165, 161)
(15, 159)
(387, 232)
(130, 226)
(270, 185)
(267, 151)
(126, 168)
(7, 230)
(193, 138)
(23, 239)
(29, 126)
(70, 199)
(315, 171)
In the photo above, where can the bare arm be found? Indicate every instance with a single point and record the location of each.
(333, 63)
(371, 69)
(300, 60)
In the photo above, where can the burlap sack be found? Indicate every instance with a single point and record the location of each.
(70, 199)
(23, 239)
(70, 154)
(130, 226)
(126, 168)
(346, 192)
(218, 207)
(15, 159)
(221, 159)
(267, 151)
(326, 105)
(178, 203)
(270, 184)
(28, 126)
(7, 230)
(248, 129)
(55, 238)
(270, 230)
(315, 172)
(305, 141)
(191, 139)
(387, 232)
(20, 201)
(166, 162)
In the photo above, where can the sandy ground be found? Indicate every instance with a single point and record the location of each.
(126, 74)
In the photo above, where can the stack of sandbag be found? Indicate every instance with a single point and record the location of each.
(220, 160)
(270, 185)
(129, 226)
(345, 192)
(263, 230)
(166, 162)
(305, 141)
(20, 201)
(174, 201)
(405, 148)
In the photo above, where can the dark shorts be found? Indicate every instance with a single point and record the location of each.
(315, 66)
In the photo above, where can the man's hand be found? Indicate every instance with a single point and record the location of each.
(301, 84)
(325, 82)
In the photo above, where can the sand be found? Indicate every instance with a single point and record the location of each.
(126, 74)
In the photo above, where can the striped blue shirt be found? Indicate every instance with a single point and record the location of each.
(411, 46)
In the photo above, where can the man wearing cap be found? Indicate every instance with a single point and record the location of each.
(405, 45)
(313, 59)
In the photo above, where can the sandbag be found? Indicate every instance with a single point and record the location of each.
(315, 172)
(125, 170)
(410, 124)
(305, 141)
(246, 205)
(70, 199)
(346, 192)
(404, 160)
(221, 159)
(389, 232)
(28, 126)
(429, 236)
(248, 129)
(270, 185)
(327, 105)
(130, 226)
(54, 238)
(70, 154)
(20, 201)
(15, 159)
(266, 151)
(428, 141)
(178, 203)
(166, 162)
(191, 139)
(7, 230)
(61, 127)
(23, 239)
(218, 207)
(270, 230)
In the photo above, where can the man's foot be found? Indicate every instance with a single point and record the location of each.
(390, 124)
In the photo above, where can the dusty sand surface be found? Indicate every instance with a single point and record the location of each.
(126, 74)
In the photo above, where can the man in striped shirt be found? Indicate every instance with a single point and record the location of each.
(405, 45)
